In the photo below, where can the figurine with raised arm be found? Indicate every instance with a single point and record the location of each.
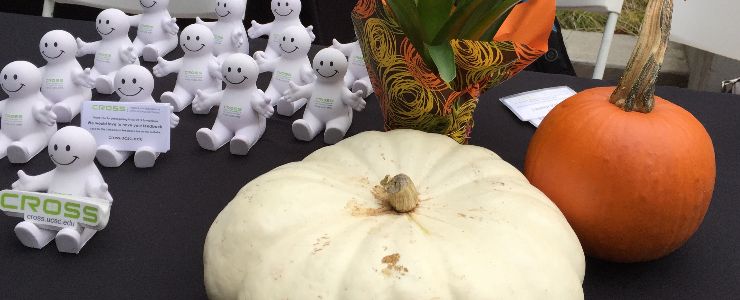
(72, 150)
(243, 108)
(230, 35)
(133, 84)
(26, 119)
(63, 81)
(286, 14)
(331, 102)
(291, 65)
(156, 33)
(197, 70)
(357, 78)
(114, 51)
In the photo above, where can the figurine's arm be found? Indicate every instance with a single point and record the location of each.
(134, 20)
(214, 69)
(238, 37)
(258, 30)
(346, 49)
(128, 54)
(170, 26)
(354, 100)
(97, 188)
(265, 65)
(174, 119)
(307, 74)
(2, 107)
(296, 92)
(28, 183)
(82, 78)
(261, 104)
(164, 67)
(201, 22)
(309, 29)
(43, 114)
(86, 48)
(204, 100)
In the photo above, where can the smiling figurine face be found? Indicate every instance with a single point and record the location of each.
(286, 9)
(20, 78)
(230, 9)
(58, 46)
(330, 65)
(240, 71)
(134, 82)
(294, 41)
(112, 23)
(154, 5)
(72, 148)
(196, 40)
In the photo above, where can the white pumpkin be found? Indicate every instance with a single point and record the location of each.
(314, 229)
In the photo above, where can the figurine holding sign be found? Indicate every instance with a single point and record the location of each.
(197, 70)
(286, 14)
(72, 150)
(26, 118)
(64, 82)
(357, 78)
(243, 108)
(133, 84)
(156, 33)
(292, 65)
(331, 101)
(114, 51)
(231, 37)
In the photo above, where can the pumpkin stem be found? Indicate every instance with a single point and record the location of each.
(398, 191)
(636, 89)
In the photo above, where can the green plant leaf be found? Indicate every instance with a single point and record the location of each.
(488, 36)
(483, 19)
(444, 59)
(408, 18)
(433, 14)
(455, 23)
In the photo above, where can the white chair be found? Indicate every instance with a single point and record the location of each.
(613, 8)
(178, 8)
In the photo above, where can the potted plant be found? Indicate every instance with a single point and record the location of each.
(429, 60)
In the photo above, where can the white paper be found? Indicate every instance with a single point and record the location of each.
(128, 126)
(536, 122)
(535, 105)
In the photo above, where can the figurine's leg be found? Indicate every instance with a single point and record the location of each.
(111, 158)
(72, 239)
(21, 151)
(273, 94)
(138, 46)
(33, 237)
(69, 108)
(104, 83)
(94, 73)
(214, 139)
(145, 157)
(4, 143)
(337, 128)
(158, 48)
(246, 138)
(285, 108)
(307, 128)
(180, 98)
(363, 84)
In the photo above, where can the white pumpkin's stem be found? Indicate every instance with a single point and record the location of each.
(636, 89)
(398, 191)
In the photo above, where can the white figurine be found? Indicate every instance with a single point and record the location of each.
(114, 51)
(156, 33)
(197, 70)
(286, 14)
(243, 108)
(27, 121)
(72, 150)
(134, 83)
(230, 35)
(64, 82)
(292, 65)
(331, 101)
(357, 78)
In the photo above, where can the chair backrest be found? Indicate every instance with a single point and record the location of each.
(178, 8)
(602, 6)
(708, 25)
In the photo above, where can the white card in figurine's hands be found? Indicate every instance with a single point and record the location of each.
(128, 126)
(533, 105)
(55, 211)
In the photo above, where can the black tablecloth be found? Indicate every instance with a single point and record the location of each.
(152, 248)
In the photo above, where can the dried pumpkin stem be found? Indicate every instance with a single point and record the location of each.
(398, 191)
(636, 89)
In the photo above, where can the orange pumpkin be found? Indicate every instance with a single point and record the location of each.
(632, 173)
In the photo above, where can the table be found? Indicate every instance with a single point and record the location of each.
(153, 246)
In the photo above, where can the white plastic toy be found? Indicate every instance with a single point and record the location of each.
(331, 102)
(243, 108)
(156, 33)
(26, 119)
(230, 35)
(133, 84)
(197, 70)
(64, 82)
(292, 65)
(286, 14)
(114, 51)
(72, 150)
(357, 78)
